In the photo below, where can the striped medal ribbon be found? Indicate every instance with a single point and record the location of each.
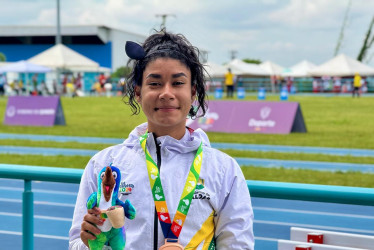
(169, 229)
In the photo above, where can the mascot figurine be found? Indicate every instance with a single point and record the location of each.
(113, 210)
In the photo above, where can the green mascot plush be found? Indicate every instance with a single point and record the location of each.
(113, 210)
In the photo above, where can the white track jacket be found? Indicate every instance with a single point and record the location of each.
(220, 211)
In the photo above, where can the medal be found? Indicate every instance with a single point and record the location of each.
(171, 244)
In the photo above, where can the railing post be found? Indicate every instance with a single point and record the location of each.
(28, 217)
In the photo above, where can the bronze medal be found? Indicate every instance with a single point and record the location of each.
(171, 244)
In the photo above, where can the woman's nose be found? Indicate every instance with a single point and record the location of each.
(167, 92)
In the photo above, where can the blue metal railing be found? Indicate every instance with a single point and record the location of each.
(264, 189)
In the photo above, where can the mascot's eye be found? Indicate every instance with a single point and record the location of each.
(102, 175)
(115, 175)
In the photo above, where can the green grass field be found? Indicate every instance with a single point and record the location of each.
(334, 121)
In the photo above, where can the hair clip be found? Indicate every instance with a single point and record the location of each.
(134, 50)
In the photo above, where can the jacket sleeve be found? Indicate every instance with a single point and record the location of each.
(87, 186)
(234, 220)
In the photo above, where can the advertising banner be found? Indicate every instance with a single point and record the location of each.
(34, 111)
(251, 117)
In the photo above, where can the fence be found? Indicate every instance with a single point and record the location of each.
(264, 189)
(253, 84)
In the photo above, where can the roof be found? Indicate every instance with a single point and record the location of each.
(102, 31)
(300, 69)
(342, 65)
(272, 68)
(60, 56)
(246, 68)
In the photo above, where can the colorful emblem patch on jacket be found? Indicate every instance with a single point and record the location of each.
(126, 188)
(199, 193)
(200, 184)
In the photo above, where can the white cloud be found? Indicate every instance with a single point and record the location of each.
(278, 46)
(284, 31)
(309, 13)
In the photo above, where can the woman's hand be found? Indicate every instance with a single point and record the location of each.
(88, 227)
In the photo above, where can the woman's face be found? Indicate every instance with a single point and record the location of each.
(166, 96)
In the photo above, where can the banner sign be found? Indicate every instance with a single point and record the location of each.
(251, 117)
(34, 111)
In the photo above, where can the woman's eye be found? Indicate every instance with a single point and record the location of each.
(115, 175)
(178, 83)
(153, 84)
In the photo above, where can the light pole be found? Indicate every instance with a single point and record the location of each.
(164, 16)
(58, 35)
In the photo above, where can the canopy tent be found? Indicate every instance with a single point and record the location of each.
(272, 68)
(300, 69)
(342, 65)
(62, 57)
(216, 70)
(24, 67)
(246, 68)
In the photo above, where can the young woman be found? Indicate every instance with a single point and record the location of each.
(185, 193)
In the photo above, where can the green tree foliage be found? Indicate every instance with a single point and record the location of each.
(2, 57)
(121, 72)
(250, 60)
(369, 40)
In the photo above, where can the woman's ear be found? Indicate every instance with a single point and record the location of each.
(193, 93)
(137, 94)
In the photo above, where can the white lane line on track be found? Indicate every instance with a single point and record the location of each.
(266, 238)
(38, 217)
(40, 191)
(315, 226)
(47, 203)
(313, 212)
(36, 235)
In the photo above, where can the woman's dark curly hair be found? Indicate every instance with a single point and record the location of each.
(168, 45)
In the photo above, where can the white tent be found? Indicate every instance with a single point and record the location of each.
(246, 68)
(272, 68)
(342, 65)
(216, 70)
(300, 69)
(24, 67)
(60, 56)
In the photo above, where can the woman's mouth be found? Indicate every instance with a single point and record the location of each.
(166, 109)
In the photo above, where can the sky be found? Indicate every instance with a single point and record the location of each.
(282, 31)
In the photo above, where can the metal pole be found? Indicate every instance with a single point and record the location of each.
(58, 36)
(58, 41)
(28, 217)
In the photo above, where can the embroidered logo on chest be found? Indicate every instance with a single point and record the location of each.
(199, 193)
(126, 188)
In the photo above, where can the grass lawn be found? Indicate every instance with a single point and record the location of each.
(334, 121)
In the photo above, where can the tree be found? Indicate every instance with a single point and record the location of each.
(249, 60)
(368, 41)
(121, 72)
(2, 57)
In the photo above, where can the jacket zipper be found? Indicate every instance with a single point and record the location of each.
(155, 224)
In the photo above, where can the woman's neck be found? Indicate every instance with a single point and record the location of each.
(175, 133)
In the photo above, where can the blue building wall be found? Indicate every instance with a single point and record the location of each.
(100, 53)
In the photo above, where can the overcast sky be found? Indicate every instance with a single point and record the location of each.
(282, 31)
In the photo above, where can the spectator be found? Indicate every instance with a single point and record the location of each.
(229, 82)
(356, 85)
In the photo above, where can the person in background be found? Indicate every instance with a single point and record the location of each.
(229, 83)
(35, 84)
(102, 80)
(356, 85)
(183, 174)
(2, 84)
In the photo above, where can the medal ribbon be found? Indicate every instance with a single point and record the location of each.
(172, 230)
